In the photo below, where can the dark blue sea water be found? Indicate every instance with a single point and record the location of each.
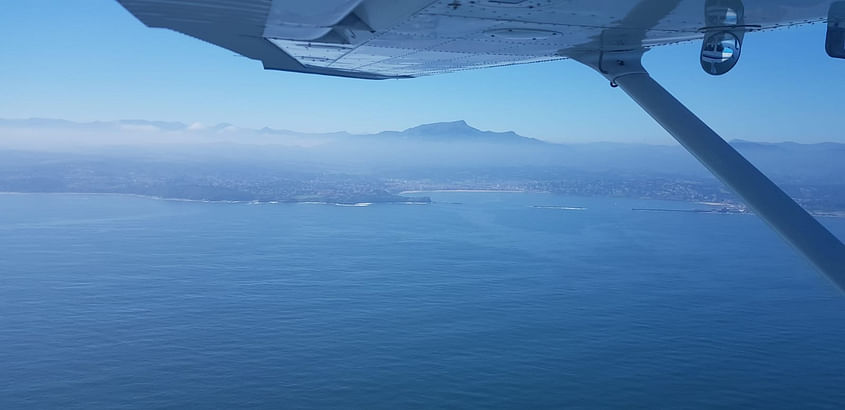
(477, 301)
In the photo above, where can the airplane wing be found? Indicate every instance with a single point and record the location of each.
(378, 39)
(395, 38)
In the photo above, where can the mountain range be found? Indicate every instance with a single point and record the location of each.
(435, 132)
(454, 131)
(437, 145)
(223, 161)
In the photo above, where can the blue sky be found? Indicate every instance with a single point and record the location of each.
(90, 60)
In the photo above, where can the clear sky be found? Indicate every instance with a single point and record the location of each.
(88, 60)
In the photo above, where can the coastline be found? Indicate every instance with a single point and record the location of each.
(221, 201)
(465, 191)
(823, 214)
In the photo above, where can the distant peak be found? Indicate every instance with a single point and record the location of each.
(454, 127)
(454, 131)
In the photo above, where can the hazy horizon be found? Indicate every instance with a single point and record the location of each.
(50, 133)
(227, 162)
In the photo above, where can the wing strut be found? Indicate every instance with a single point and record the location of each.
(799, 228)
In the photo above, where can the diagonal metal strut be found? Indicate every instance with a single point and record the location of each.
(790, 220)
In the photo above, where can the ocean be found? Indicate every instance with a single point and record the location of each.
(479, 300)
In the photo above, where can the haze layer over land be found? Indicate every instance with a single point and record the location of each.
(226, 162)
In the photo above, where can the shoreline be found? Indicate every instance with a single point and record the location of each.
(824, 214)
(466, 191)
(219, 201)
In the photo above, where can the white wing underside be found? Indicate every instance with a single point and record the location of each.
(395, 38)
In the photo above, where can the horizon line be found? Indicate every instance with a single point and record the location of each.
(203, 127)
